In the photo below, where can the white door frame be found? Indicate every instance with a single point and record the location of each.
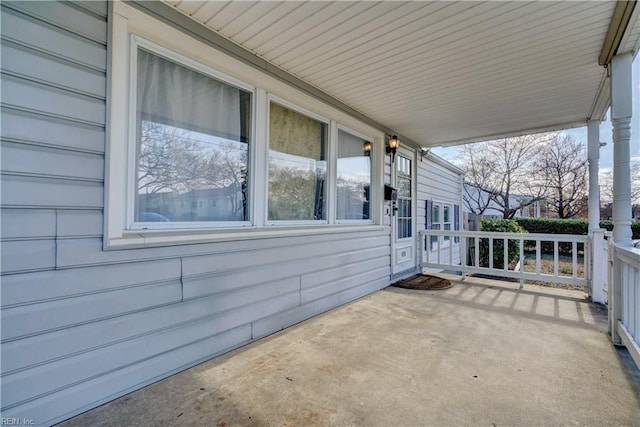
(404, 251)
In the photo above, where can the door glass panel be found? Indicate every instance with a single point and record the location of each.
(403, 181)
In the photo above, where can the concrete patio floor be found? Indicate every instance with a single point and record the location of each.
(481, 353)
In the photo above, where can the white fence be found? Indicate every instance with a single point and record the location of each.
(624, 297)
(549, 265)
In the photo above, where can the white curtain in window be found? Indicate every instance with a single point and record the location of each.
(192, 144)
(174, 95)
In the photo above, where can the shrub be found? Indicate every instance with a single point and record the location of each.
(635, 228)
(504, 226)
(568, 226)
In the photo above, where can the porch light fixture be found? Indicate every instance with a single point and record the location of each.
(392, 145)
(367, 148)
(423, 152)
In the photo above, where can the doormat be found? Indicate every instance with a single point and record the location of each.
(424, 282)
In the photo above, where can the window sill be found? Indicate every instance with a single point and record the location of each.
(158, 238)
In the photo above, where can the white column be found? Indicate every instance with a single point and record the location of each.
(593, 147)
(621, 108)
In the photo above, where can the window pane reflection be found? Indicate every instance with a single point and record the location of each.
(353, 178)
(193, 141)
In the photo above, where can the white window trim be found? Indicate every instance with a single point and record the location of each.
(128, 22)
(334, 200)
(135, 43)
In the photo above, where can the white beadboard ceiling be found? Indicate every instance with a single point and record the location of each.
(438, 72)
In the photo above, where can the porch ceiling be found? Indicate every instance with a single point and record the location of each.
(435, 72)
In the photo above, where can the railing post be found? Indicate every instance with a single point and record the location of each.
(421, 250)
(615, 294)
(598, 264)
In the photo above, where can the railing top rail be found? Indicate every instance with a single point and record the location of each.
(514, 236)
(628, 255)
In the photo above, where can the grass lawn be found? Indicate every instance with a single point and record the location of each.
(565, 268)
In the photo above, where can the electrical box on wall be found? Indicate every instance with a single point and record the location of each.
(390, 193)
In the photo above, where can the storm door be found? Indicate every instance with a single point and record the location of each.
(403, 256)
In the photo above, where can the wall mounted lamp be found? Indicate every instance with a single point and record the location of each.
(367, 148)
(392, 145)
(423, 152)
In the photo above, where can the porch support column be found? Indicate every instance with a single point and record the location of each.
(593, 147)
(621, 119)
(598, 261)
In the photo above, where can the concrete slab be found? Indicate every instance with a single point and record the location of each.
(479, 353)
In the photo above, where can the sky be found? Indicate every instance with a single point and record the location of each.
(580, 134)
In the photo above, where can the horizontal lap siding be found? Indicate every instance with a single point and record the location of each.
(81, 326)
(436, 183)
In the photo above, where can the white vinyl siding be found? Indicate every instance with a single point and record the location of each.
(82, 325)
(439, 186)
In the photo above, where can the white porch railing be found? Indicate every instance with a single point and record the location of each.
(624, 297)
(439, 247)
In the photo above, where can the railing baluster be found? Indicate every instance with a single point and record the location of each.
(505, 250)
(555, 258)
(521, 248)
(476, 250)
(491, 253)
(627, 293)
(574, 250)
(463, 251)
(631, 322)
(635, 278)
(538, 255)
(451, 250)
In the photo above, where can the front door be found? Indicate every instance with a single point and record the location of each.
(403, 249)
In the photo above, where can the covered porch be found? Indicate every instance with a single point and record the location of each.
(480, 353)
(439, 74)
(95, 306)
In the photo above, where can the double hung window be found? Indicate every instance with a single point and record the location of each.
(192, 139)
(443, 216)
(297, 166)
(446, 220)
(353, 179)
(435, 221)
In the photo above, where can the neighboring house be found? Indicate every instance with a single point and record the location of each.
(165, 202)
(442, 189)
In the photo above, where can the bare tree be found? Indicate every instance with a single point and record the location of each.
(478, 188)
(606, 184)
(499, 171)
(561, 165)
(175, 165)
(168, 160)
